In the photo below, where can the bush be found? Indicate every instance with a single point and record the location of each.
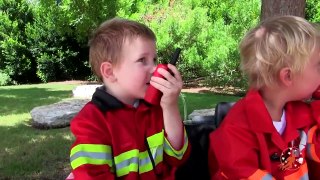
(207, 31)
(4, 79)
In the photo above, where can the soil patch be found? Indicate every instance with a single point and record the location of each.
(188, 88)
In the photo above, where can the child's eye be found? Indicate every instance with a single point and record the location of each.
(142, 60)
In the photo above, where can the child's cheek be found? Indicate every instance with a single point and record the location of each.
(316, 94)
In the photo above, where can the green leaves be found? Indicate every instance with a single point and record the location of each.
(313, 10)
(208, 31)
(46, 40)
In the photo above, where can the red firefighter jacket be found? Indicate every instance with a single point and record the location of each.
(247, 145)
(118, 141)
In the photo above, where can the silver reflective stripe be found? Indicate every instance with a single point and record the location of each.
(305, 177)
(144, 161)
(93, 155)
(125, 163)
(267, 177)
(157, 154)
(303, 141)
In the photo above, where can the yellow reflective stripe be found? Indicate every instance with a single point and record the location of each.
(157, 154)
(85, 160)
(311, 149)
(155, 143)
(259, 174)
(156, 139)
(311, 133)
(159, 158)
(126, 155)
(133, 160)
(168, 149)
(145, 168)
(127, 162)
(143, 155)
(144, 162)
(95, 154)
(90, 148)
(132, 167)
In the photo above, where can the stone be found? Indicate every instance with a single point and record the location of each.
(60, 114)
(56, 115)
(200, 116)
(201, 112)
(85, 91)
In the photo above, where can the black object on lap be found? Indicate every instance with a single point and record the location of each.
(198, 130)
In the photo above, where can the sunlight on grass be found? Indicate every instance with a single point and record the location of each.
(68, 137)
(26, 152)
(38, 139)
(9, 151)
(8, 96)
(14, 119)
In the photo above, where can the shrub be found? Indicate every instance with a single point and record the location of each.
(4, 79)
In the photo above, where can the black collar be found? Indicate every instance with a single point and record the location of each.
(105, 101)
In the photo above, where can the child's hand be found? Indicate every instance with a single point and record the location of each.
(170, 86)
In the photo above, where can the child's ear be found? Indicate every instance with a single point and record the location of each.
(286, 76)
(106, 70)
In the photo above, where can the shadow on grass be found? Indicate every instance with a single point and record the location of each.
(23, 100)
(28, 153)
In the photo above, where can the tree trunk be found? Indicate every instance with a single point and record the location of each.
(271, 8)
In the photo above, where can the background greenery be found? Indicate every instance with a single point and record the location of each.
(46, 40)
(29, 153)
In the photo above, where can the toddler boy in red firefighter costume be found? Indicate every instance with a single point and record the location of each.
(118, 134)
(270, 132)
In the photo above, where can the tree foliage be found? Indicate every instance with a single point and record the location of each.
(313, 10)
(207, 31)
(54, 49)
(46, 40)
(16, 60)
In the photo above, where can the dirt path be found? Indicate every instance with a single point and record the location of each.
(219, 90)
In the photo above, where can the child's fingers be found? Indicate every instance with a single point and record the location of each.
(161, 82)
(174, 78)
(175, 71)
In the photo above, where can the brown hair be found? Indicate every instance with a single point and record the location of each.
(278, 42)
(107, 41)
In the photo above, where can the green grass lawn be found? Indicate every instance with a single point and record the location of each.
(29, 153)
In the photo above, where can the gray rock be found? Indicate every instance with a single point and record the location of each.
(84, 91)
(56, 115)
(201, 116)
(201, 112)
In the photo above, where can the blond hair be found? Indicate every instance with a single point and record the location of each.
(107, 41)
(278, 42)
